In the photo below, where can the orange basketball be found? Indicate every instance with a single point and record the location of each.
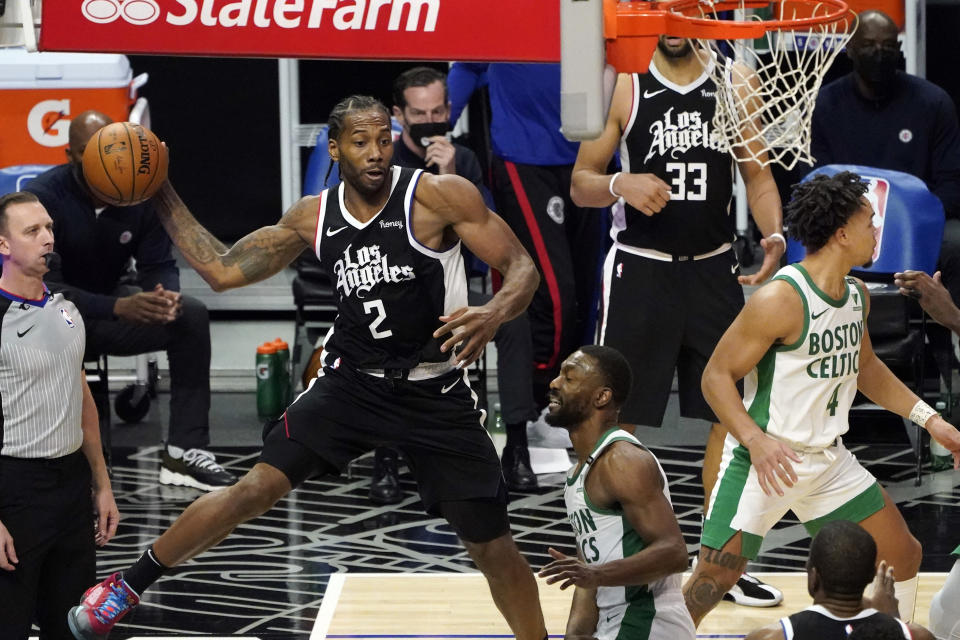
(124, 164)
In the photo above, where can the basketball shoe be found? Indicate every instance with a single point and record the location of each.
(750, 592)
(102, 606)
(193, 468)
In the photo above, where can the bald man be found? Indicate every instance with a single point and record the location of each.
(96, 242)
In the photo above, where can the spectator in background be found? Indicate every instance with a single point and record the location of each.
(421, 105)
(532, 167)
(96, 242)
(842, 563)
(881, 117)
(51, 463)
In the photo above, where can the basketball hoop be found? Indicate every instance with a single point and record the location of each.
(769, 62)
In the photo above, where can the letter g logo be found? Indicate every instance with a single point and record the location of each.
(133, 11)
(45, 122)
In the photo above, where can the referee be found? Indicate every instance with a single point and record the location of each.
(50, 455)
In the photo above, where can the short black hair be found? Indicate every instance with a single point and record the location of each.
(880, 627)
(614, 368)
(820, 206)
(417, 77)
(8, 199)
(347, 106)
(845, 556)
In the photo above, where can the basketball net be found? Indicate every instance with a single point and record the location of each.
(767, 88)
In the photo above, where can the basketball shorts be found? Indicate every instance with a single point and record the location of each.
(434, 422)
(831, 485)
(662, 617)
(665, 317)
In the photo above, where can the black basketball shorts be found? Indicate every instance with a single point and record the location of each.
(666, 317)
(435, 423)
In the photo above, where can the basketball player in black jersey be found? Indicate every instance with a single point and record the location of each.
(842, 563)
(670, 280)
(393, 364)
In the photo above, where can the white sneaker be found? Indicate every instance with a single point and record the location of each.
(750, 592)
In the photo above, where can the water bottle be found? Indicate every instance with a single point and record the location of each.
(268, 396)
(497, 428)
(285, 385)
(940, 457)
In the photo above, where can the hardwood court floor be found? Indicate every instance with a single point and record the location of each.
(456, 606)
(271, 577)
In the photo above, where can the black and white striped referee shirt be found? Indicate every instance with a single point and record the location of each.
(41, 361)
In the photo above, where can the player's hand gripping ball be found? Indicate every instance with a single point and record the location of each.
(124, 164)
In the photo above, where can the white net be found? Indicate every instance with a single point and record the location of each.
(767, 88)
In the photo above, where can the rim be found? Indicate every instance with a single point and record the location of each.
(673, 12)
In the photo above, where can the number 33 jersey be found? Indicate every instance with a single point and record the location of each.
(390, 289)
(670, 134)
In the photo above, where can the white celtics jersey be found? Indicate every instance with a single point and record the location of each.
(639, 612)
(801, 393)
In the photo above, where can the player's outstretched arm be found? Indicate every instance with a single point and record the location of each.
(932, 296)
(773, 315)
(254, 257)
(591, 186)
(455, 203)
(627, 476)
(882, 387)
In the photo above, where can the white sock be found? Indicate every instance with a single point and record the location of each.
(175, 452)
(945, 607)
(906, 592)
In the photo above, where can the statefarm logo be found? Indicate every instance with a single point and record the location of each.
(343, 15)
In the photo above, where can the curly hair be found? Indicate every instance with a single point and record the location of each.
(819, 207)
(347, 106)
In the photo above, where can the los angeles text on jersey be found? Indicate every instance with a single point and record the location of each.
(365, 268)
(585, 528)
(839, 351)
(680, 132)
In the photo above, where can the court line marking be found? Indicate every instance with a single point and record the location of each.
(331, 597)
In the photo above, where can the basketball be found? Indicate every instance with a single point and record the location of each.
(124, 164)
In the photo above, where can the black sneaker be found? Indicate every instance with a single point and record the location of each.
(385, 484)
(196, 468)
(750, 592)
(515, 461)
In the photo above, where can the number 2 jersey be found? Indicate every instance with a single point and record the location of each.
(801, 393)
(390, 289)
(670, 135)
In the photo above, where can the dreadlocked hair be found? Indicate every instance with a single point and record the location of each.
(820, 206)
(349, 105)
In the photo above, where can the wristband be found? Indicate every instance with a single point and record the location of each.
(612, 178)
(922, 412)
(779, 236)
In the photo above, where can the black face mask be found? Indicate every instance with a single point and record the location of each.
(420, 132)
(878, 68)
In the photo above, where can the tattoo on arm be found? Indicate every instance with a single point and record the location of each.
(725, 560)
(258, 255)
(701, 595)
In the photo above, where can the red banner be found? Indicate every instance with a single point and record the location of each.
(469, 30)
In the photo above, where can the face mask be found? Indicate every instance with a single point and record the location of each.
(877, 68)
(421, 132)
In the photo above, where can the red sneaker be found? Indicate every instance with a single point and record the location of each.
(103, 606)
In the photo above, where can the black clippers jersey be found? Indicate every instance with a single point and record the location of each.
(816, 623)
(391, 290)
(669, 134)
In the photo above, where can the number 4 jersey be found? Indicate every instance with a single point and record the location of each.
(801, 393)
(669, 134)
(391, 290)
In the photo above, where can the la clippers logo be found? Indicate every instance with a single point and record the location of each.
(877, 196)
(133, 11)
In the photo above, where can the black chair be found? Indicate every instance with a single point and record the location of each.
(96, 370)
(315, 302)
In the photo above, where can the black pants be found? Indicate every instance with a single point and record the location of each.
(187, 343)
(566, 243)
(47, 508)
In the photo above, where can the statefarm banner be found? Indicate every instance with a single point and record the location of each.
(470, 30)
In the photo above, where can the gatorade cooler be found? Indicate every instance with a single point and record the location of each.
(41, 92)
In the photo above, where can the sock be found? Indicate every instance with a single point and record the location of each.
(144, 572)
(906, 592)
(945, 607)
(517, 434)
(175, 452)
